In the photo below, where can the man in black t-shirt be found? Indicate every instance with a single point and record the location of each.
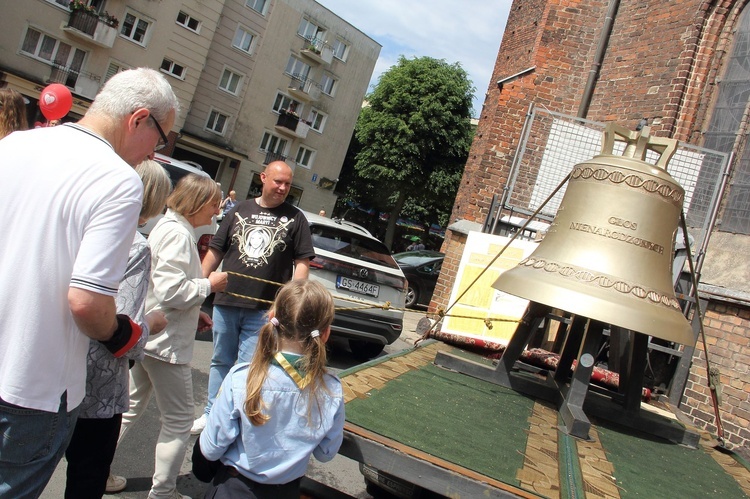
(264, 238)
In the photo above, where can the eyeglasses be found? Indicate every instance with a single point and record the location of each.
(164, 140)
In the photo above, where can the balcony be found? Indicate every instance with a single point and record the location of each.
(317, 51)
(80, 82)
(290, 125)
(304, 89)
(273, 156)
(92, 28)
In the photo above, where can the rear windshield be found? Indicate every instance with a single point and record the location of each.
(175, 173)
(347, 243)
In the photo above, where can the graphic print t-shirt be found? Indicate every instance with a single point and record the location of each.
(262, 243)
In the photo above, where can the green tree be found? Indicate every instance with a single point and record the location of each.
(413, 140)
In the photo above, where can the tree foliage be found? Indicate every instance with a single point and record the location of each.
(412, 141)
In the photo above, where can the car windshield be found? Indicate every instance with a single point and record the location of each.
(350, 244)
(175, 174)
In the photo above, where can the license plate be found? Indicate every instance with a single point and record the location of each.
(363, 288)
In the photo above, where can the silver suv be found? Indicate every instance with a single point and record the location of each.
(176, 170)
(362, 276)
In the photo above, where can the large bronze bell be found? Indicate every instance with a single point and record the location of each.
(608, 253)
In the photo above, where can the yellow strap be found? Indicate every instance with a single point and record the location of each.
(291, 371)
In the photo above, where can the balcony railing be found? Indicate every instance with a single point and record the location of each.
(89, 26)
(317, 50)
(287, 120)
(81, 82)
(83, 21)
(273, 156)
(290, 124)
(304, 88)
(61, 74)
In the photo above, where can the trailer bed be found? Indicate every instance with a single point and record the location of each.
(462, 437)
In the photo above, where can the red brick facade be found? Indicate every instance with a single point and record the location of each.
(726, 327)
(662, 61)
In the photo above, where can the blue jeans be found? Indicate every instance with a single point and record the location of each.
(33, 443)
(235, 334)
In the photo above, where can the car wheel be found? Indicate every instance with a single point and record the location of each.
(411, 296)
(365, 350)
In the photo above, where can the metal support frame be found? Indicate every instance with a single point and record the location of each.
(571, 392)
(575, 422)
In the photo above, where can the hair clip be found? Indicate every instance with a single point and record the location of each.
(274, 321)
(314, 333)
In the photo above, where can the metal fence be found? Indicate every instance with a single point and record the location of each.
(552, 143)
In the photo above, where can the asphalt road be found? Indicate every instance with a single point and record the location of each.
(135, 456)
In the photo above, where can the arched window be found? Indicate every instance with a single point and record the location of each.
(732, 104)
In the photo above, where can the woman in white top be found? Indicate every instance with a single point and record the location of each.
(178, 289)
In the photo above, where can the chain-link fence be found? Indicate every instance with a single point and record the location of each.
(552, 143)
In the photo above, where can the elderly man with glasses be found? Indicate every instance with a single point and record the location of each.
(63, 262)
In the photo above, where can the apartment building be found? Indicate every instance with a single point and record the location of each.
(257, 79)
(46, 41)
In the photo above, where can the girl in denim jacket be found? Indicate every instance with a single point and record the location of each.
(273, 413)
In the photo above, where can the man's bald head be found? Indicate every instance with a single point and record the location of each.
(277, 181)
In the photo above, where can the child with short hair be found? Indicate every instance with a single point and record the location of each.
(271, 414)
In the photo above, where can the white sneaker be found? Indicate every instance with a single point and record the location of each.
(198, 425)
(175, 495)
(115, 483)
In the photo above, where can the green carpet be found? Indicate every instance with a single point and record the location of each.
(483, 427)
(646, 466)
(428, 409)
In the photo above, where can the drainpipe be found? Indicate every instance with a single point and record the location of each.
(601, 49)
(235, 165)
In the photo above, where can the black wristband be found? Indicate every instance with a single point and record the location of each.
(125, 336)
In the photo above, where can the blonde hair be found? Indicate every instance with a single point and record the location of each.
(301, 306)
(12, 112)
(192, 193)
(156, 188)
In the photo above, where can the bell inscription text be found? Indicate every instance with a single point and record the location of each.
(618, 236)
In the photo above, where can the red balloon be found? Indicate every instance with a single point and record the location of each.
(55, 101)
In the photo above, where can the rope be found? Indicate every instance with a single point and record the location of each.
(248, 297)
(710, 374)
(444, 313)
(256, 278)
(491, 262)
(385, 306)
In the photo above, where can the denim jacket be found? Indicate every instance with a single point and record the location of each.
(278, 451)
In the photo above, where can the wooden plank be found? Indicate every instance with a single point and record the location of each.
(540, 467)
(597, 471)
(731, 466)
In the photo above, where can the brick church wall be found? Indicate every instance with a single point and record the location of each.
(726, 326)
(661, 63)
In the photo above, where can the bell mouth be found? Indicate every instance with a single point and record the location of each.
(653, 313)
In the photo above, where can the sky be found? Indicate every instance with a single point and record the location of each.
(468, 32)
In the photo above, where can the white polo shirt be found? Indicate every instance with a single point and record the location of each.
(70, 208)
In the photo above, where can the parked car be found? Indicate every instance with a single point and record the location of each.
(421, 268)
(362, 276)
(176, 170)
